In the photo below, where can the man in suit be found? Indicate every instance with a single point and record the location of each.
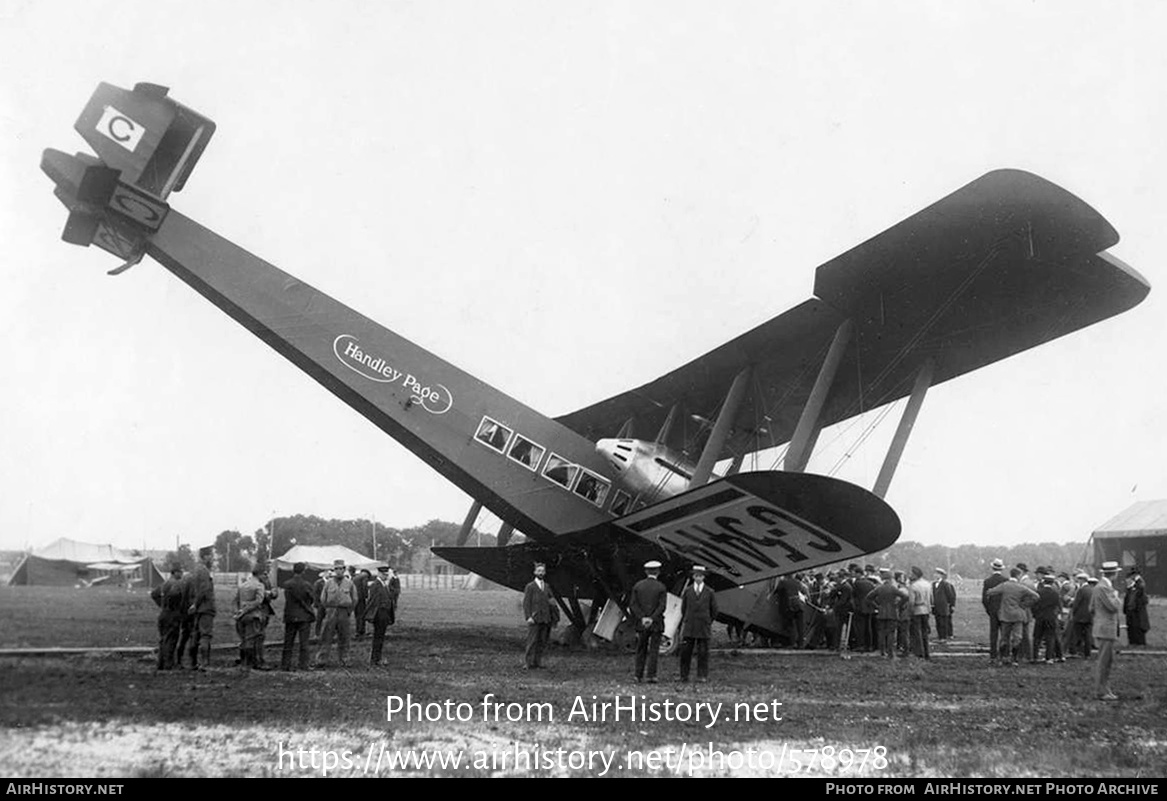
(921, 590)
(1081, 616)
(864, 611)
(1045, 620)
(540, 613)
(943, 604)
(698, 611)
(791, 601)
(992, 606)
(887, 599)
(299, 614)
(1105, 606)
(647, 605)
(1134, 607)
(380, 607)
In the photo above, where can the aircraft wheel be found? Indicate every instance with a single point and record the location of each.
(625, 637)
(668, 645)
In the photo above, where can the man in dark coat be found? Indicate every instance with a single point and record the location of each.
(888, 598)
(943, 604)
(1081, 617)
(1045, 620)
(171, 599)
(647, 606)
(864, 611)
(992, 605)
(380, 607)
(540, 613)
(698, 611)
(1134, 608)
(791, 600)
(299, 614)
(361, 581)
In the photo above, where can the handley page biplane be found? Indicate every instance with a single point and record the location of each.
(660, 472)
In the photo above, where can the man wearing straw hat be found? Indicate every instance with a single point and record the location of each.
(1105, 605)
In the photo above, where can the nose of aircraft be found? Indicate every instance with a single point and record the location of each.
(607, 449)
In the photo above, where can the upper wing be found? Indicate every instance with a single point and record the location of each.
(1005, 263)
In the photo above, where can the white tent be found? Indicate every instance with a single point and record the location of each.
(322, 557)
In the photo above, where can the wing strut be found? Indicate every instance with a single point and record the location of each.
(662, 436)
(504, 534)
(806, 433)
(468, 523)
(900, 440)
(717, 437)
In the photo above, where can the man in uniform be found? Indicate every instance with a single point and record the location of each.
(943, 604)
(202, 610)
(338, 597)
(380, 603)
(170, 597)
(698, 611)
(249, 617)
(299, 613)
(540, 613)
(647, 605)
(1105, 606)
(992, 607)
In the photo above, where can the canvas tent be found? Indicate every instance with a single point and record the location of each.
(1137, 537)
(318, 558)
(69, 563)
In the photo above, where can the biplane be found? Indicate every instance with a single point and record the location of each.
(668, 470)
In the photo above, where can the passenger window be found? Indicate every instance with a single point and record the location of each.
(493, 434)
(560, 470)
(622, 503)
(526, 453)
(592, 487)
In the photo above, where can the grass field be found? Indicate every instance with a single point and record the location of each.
(953, 717)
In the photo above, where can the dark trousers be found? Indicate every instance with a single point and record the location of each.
(1046, 631)
(943, 627)
(920, 634)
(797, 628)
(647, 651)
(1026, 648)
(185, 631)
(702, 646)
(1083, 637)
(904, 636)
(864, 623)
(380, 622)
(200, 641)
(169, 624)
(293, 631)
(360, 613)
(994, 636)
(537, 636)
(887, 637)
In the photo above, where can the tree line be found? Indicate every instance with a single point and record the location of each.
(404, 548)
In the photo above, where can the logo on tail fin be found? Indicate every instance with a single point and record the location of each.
(117, 126)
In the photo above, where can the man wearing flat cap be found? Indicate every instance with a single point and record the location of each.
(943, 604)
(647, 606)
(698, 611)
(1105, 605)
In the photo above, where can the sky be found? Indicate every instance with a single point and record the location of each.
(655, 178)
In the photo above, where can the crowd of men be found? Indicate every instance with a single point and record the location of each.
(187, 613)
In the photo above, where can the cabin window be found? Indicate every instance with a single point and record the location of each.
(493, 434)
(526, 453)
(593, 488)
(561, 471)
(622, 503)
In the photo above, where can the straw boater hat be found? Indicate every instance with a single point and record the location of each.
(942, 571)
(1110, 567)
(652, 565)
(998, 564)
(698, 569)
